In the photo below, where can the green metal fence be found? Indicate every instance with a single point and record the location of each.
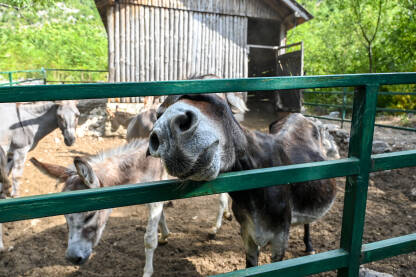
(356, 167)
(344, 107)
(54, 75)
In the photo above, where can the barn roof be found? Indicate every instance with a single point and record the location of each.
(288, 12)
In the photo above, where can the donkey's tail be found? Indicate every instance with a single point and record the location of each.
(56, 171)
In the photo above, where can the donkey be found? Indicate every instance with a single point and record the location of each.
(5, 183)
(197, 138)
(124, 165)
(25, 125)
(140, 127)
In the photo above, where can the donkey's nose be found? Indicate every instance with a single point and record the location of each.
(154, 144)
(77, 259)
(184, 123)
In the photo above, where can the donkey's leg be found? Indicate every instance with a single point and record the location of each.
(18, 161)
(150, 237)
(251, 248)
(279, 244)
(307, 240)
(1, 238)
(224, 202)
(163, 239)
(224, 211)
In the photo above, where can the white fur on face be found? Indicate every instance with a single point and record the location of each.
(84, 233)
(208, 137)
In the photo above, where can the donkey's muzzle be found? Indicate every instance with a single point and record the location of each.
(78, 259)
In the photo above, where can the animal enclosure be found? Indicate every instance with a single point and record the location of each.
(177, 39)
(356, 167)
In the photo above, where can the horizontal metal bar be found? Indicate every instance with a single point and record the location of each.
(302, 266)
(327, 92)
(396, 93)
(75, 82)
(395, 110)
(388, 248)
(393, 160)
(262, 46)
(126, 195)
(396, 127)
(20, 82)
(115, 90)
(349, 107)
(21, 71)
(289, 45)
(351, 93)
(75, 70)
(327, 118)
(348, 120)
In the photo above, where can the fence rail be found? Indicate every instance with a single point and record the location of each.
(356, 167)
(43, 73)
(344, 107)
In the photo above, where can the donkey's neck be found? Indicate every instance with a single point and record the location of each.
(39, 119)
(261, 151)
(124, 165)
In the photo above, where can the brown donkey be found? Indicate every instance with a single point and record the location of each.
(197, 137)
(127, 164)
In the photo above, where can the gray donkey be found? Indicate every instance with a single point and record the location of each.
(24, 125)
(4, 187)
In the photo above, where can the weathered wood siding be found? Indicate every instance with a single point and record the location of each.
(267, 9)
(155, 44)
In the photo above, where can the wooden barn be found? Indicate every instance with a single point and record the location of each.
(154, 40)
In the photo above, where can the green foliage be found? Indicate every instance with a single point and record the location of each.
(334, 43)
(67, 34)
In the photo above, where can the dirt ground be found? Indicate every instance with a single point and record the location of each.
(36, 247)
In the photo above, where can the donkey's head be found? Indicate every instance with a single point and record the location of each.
(5, 183)
(84, 229)
(196, 136)
(67, 116)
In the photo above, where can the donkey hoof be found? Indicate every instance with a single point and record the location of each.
(213, 233)
(169, 204)
(228, 216)
(163, 240)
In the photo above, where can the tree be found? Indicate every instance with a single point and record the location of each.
(368, 23)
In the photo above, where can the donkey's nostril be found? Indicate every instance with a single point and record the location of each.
(154, 143)
(185, 122)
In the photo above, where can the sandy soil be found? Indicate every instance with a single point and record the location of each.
(36, 247)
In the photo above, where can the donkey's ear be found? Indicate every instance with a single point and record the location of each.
(55, 171)
(236, 102)
(86, 173)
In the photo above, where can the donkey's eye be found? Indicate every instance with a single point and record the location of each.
(89, 217)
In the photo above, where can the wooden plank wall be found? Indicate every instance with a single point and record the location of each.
(155, 44)
(252, 8)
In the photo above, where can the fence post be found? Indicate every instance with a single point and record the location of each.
(10, 78)
(356, 187)
(44, 75)
(344, 100)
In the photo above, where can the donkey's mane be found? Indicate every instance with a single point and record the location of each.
(130, 147)
(37, 107)
(102, 156)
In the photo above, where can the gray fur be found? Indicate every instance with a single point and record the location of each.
(24, 125)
